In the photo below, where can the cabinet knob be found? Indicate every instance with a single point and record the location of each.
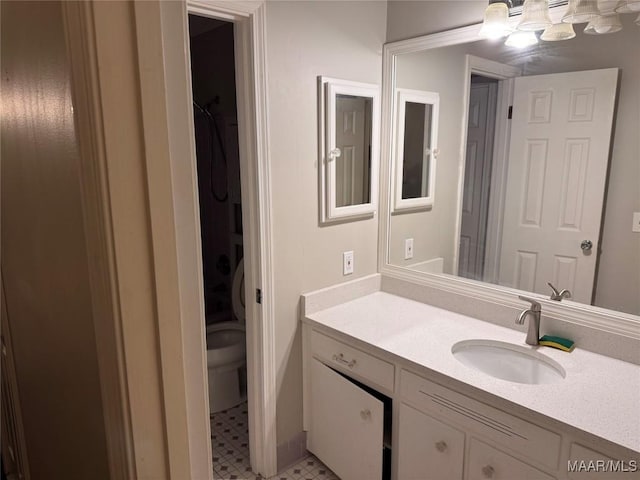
(365, 414)
(487, 471)
(441, 446)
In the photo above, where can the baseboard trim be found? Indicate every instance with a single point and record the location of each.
(292, 451)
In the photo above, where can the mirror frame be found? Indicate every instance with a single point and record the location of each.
(591, 316)
(405, 95)
(328, 90)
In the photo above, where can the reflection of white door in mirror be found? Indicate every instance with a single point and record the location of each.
(353, 132)
(560, 137)
(416, 149)
(348, 138)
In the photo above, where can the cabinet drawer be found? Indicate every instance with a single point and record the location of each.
(486, 462)
(352, 360)
(585, 463)
(427, 448)
(521, 436)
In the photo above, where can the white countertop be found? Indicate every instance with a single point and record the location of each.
(600, 395)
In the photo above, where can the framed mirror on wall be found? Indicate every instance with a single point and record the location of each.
(537, 176)
(416, 149)
(348, 139)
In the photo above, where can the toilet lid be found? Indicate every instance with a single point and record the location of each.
(237, 292)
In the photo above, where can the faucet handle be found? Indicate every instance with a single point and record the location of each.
(556, 295)
(535, 305)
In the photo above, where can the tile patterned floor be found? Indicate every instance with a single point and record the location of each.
(230, 444)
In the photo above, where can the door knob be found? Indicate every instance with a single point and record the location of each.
(365, 414)
(487, 471)
(586, 245)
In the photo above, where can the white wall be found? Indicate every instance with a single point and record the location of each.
(433, 230)
(44, 256)
(408, 19)
(306, 39)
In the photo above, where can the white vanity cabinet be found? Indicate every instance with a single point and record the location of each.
(465, 427)
(439, 433)
(346, 418)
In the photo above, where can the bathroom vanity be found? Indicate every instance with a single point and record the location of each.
(385, 397)
(419, 372)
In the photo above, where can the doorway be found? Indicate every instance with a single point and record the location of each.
(481, 123)
(213, 82)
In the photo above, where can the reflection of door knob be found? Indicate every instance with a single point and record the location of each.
(433, 152)
(335, 153)
(586, 245)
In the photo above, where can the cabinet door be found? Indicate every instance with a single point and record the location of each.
(428, 449)
(346, 425)
(486, 462)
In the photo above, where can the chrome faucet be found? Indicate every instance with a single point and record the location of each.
(533, 334)
(558, 296)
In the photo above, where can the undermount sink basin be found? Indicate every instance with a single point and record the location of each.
(508, 362)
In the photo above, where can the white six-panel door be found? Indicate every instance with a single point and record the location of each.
(560, 140)
(352, 177)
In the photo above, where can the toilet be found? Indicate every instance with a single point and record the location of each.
(226, 353)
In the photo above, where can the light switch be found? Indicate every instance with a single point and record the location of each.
(636, 222)
(408, 248)
(347, 263)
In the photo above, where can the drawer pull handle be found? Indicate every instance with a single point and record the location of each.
(365, 414)
(441, 446)
(340, 359)
(487, 471)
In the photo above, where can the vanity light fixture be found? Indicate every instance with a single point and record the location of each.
(581, 11)
(521, 39)
(557, 32)
(535, 16)
(604, 24)
(601, 16)
(628, 6)
(496, 21)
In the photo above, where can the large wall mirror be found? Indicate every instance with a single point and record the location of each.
(538, 172)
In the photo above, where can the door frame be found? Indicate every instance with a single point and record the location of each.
(505, 74)
(249, 18)
(491, 94)
(156, 411)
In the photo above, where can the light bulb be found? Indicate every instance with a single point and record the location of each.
(521, 39)
(496, 21)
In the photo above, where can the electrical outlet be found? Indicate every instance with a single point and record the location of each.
(636, 222)
(347, 263)
(408, 248)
